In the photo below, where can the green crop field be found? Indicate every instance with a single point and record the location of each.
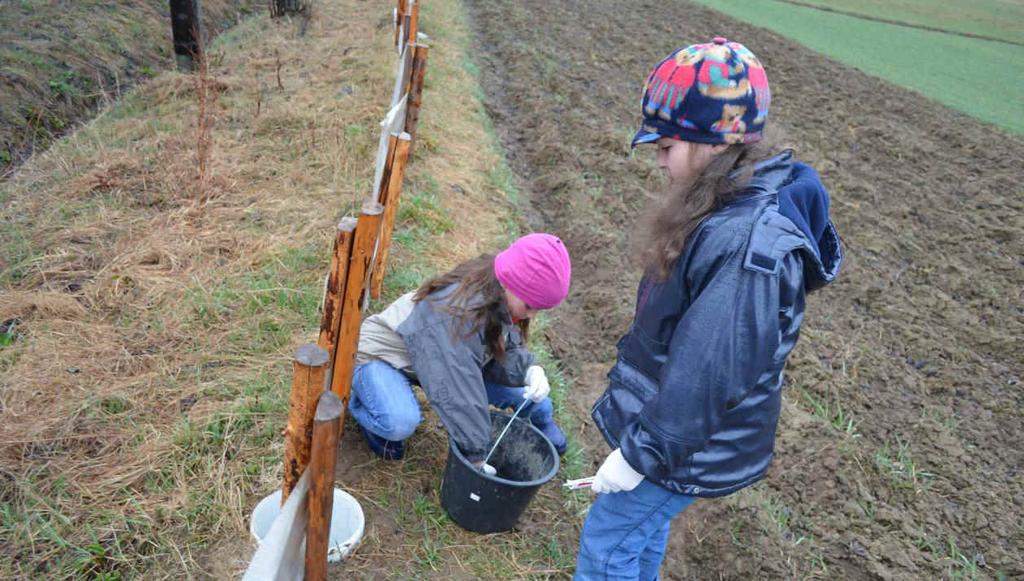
(983, 78)
(1001, 19)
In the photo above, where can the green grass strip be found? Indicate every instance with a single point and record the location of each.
(984, 79)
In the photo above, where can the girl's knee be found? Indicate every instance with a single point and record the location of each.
(399, 424)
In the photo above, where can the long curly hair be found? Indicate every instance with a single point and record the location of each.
(671, 219)
(479, 301)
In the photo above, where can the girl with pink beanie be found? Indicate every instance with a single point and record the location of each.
(462, 337)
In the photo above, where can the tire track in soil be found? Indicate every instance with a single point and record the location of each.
(918, 340)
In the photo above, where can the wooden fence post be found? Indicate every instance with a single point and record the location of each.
(390, 197)
(419, 71)
(334, 290)
(400, 23)
(187, 30)
(326, 428)
(414, 21)
(367, 231)
(309, 368)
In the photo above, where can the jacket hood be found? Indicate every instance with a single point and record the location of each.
(803, 199)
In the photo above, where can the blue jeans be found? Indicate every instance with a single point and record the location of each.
(383, 402)
(625, 533)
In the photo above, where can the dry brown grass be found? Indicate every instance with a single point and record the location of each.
(141, 390)
(63, 60)
(144, 392)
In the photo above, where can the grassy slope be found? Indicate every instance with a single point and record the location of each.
(61, 60)
(144, 365)
(981, 78)
(459, 202)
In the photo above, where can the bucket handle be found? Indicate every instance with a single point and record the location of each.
(507, 426)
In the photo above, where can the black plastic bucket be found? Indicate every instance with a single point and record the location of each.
(525, 460)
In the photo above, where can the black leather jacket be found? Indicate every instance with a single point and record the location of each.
(694, 398)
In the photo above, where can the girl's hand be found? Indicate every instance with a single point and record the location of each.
(616, 475)
(537, 387)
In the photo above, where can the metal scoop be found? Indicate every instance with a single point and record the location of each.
(507, 426)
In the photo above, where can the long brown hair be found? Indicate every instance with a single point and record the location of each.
(475, 278)
(670, 221)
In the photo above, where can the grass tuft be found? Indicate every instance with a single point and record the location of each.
(831, 411)
(902, 470)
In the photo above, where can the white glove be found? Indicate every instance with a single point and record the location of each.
(616, 475)
(537, 387)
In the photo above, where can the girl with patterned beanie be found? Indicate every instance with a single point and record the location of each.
(739, 238)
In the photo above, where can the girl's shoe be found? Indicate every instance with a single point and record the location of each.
(386, 449)
(553, 433)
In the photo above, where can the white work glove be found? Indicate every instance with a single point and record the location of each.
(537, 387)
(616, 475)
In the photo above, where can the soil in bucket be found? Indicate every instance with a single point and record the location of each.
(525, 460)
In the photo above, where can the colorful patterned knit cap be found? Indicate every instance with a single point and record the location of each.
(707, 93)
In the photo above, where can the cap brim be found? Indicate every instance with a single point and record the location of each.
(644, 136)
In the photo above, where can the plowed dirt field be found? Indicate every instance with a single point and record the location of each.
(899, 453)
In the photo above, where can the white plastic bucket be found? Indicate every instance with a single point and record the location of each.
(347, 522)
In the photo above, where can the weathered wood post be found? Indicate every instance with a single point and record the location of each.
(326, 429)
(400, 10)
(187, 28)
(413, 21)
(390, 196)
(335, 287)
(309, 368)
(419, 71)
(367, 231)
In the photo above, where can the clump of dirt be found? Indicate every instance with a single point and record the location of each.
(899, 452)
(522, 455)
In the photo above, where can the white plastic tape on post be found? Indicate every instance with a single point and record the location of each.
(281, 555)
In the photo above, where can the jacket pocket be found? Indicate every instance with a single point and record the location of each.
(628, 392)
(639, 386)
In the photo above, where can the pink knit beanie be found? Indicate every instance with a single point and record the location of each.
(536, 269)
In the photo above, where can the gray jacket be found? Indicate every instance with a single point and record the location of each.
(452, 365)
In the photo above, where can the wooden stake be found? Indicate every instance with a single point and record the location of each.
(400, 21)
(367, 232)
(308, 367)
(390, 196)
(334, 290)
(414, 21)
(326, 428)
(419, 71)
(412, 12)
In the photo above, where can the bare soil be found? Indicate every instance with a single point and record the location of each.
(918, 342)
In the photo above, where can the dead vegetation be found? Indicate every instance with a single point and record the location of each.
(62, 61)
(147, 339)
(140, 382)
